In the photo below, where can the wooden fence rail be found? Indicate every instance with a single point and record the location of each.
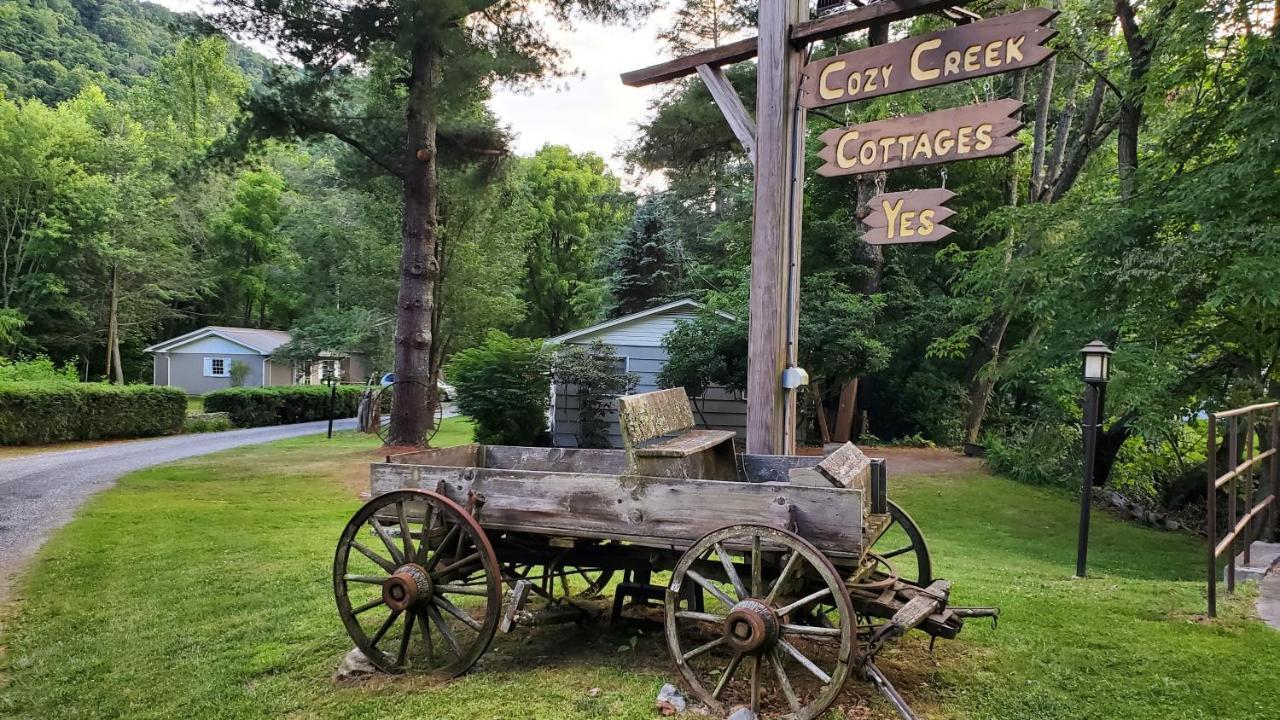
(1257, 474)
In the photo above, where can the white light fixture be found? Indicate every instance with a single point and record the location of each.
(1097, 362)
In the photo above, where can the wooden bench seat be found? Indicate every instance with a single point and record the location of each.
(661, 440)
(685, 444)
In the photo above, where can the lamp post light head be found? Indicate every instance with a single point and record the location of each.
(1097, 362)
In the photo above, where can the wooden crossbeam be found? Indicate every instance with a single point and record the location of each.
(801, 34)
(730, 104)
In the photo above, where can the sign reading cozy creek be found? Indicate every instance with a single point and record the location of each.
(973, 131)
(911, 216)
(1005, 43)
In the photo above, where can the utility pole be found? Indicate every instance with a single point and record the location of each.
(775, 232)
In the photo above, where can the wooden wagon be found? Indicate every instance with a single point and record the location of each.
(778, 576)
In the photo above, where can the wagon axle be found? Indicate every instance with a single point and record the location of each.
(409, 586)
(751, 627)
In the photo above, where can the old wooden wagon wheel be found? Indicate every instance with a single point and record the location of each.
(557, 580)
(417, 583)
(757, 642)
(384, 402)
(901, 550)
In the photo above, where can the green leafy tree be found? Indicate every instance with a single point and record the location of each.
(247, 245)
(436, 56)
(575, 207)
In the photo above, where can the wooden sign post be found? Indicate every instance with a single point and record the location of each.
(774, 141)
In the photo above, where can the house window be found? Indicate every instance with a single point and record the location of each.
(217, 367)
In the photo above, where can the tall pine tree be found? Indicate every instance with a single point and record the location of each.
(645, 268)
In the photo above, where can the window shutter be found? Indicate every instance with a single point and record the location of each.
(208, 367)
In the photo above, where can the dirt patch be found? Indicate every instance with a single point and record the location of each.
(926, 461)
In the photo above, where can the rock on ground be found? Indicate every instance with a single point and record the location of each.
(670, 701)
(354, 666)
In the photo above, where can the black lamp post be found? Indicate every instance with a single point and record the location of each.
(1096, 371)
(331, 380)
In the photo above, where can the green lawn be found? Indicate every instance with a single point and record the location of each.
(201, 589)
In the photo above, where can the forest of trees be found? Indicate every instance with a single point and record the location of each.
(156, 177)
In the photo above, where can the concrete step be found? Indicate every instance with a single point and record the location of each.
(1262, 557)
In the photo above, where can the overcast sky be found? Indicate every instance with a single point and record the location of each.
(592, 111)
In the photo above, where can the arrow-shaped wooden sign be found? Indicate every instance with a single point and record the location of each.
(965, 133)
(1001, 44)
(912, 216)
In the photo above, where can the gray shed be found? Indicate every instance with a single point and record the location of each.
(638, 339)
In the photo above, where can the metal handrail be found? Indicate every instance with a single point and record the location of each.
(1249, 409)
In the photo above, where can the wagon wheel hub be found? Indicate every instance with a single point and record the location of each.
(751, 627)
(409, 585)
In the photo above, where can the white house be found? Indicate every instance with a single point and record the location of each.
(638, 339)
(200, 361)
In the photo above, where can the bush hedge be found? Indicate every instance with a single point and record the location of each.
(504, 386)
(283, 405)
(33, 413)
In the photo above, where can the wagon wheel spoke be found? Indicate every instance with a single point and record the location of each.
(474, 590)
(440, 548)
(386, 540)
(775, 659)
(428, 651)
(895, 553)
(700, 616)
(382, 562)
(457, 612)
(367, 579)
(368, 606)
(757, 574)
(731, 572)
(806, 600)
(405, 535)
(727, 675)
(792, 563)
(459, 563)
(755, 684)
(804, 661)
(391, 620)
(444, 630)
(424, 541)
(903, 535)
(404, 639)
(710, 587)
(703, 648)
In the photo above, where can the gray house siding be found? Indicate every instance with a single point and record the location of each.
(187, 372)
(641, 344)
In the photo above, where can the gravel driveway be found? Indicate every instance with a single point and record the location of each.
(40, 493)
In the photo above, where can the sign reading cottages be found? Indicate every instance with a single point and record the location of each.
(998, 45)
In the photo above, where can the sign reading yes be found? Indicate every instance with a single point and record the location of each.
(1004, 43)
(908, 217)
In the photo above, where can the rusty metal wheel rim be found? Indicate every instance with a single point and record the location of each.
(915, 566)
(440, 598)
(385, 396)
(770, 625)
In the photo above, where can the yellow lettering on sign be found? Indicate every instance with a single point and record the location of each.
(886, 143)
(855, 83)
(918, 72)
(1013, 48)
(863, 156)
(926, 222)
(891, 214)
(951, 64)
(843, 160)
(962, 140)
(971, 58)
(923, 147)
(982, 136)
(942, 142)
(907, 219)
(827, 92)
(871, 79)
(884, 73)
(991, 54)
(905, 141)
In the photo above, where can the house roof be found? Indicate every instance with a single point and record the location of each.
(256, 339)
(632, 318)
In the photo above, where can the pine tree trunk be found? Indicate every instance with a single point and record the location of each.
(419, 268)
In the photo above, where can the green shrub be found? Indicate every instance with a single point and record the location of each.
(1042, 454)
(239, 371)
(207, 422)
(593, 372)
(504, 386)
(37, 368)
(33, 413)
(283, 405)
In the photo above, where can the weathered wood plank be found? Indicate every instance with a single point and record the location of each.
(801, 34)
(653, 414)
(846, 467)
(685, 444)
(656, 512)
(730, 104)
(774, 468)
(920, 607)
(469, 455)
(554, 459)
